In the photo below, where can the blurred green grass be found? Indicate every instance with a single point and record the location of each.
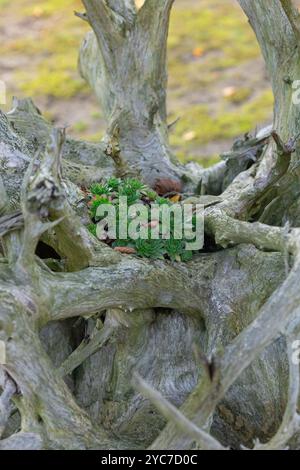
(217, 85)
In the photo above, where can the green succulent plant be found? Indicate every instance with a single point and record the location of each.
(109, 193)
(111, 185)
(150, 194)
(98, 189)
(98, 201)
(154, 249)
(92, 228)
(132, 189)
(174, 248)
(162, 200)
(186, 256)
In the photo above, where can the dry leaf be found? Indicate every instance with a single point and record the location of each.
(198, 52)
(85, 191)
(175, 198)
(152, 224)
(126, 250)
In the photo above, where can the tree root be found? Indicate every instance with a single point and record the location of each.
(232, 324)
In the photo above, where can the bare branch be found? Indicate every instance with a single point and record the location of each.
(126, 9)
(45, 206)
(45, 398)
(171, 413)
(292, 15)
(244, 199)
(11, 222)
(229, 231)
(131, 284)
(86, 349)
(108, 25)
(114, 320)
(159, 5)
(41, 193)
(153, 19)
(143, 284)
(82, 16)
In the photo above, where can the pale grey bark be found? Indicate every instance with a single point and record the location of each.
(212, 336)
(204, 440)
(124, 61)
(276, 24)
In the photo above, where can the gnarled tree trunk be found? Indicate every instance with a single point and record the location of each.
(124, 61)
(211, 338)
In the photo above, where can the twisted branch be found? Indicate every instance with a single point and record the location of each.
(172, 414)
(292, 15)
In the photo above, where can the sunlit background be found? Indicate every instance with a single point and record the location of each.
(218, 85)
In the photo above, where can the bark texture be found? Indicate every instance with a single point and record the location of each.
(101, 350)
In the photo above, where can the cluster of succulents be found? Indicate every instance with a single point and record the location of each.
(136, 192)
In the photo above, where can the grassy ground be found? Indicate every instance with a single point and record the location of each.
(217, 82)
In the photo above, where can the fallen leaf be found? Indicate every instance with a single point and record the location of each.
(152, 224)
(126, 250)
(198, 52)
(175, 198)
(85, 191)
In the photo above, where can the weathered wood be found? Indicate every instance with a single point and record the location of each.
(237, 304)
